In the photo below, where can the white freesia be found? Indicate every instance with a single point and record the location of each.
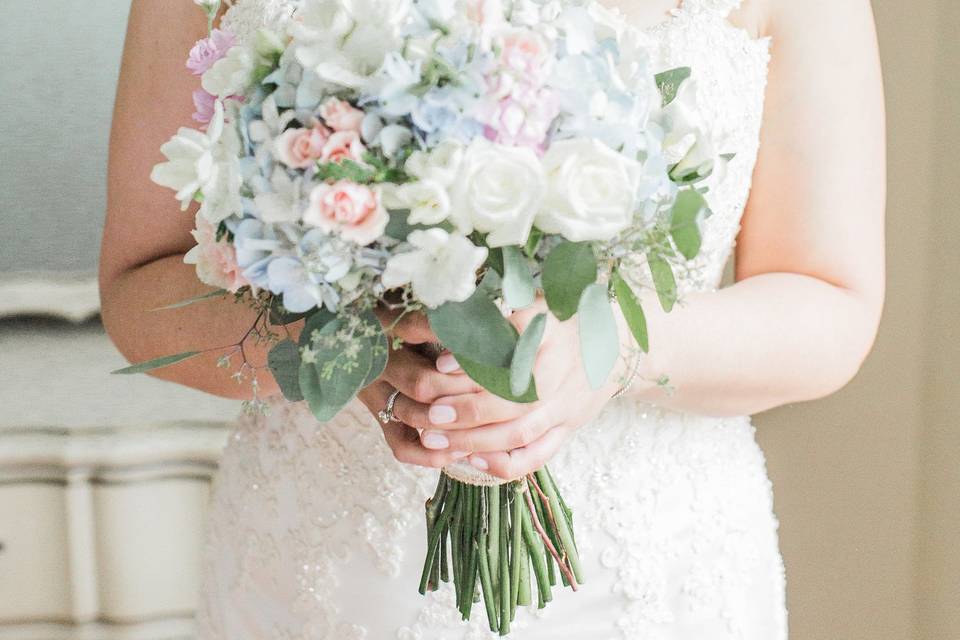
(231, 74)
(427, 200)
(441, 268)
(441, 164)
(592, 190)
(203, 163)
(688, 142)
(498, 191)
(345, 41)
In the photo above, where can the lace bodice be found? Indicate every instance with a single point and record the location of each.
(316, 532)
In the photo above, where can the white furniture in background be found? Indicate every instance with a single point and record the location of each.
(103, 489)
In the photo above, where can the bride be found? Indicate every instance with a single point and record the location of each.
(316, 531)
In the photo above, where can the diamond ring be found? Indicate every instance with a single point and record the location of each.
(386, 416)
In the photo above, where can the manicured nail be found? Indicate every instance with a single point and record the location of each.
(447, 363)
(442, 414)
(434, 440)
(459, 455)
(479, 463)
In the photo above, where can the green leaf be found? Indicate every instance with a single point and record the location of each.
(219, 293)
(568, 270)
(284, 363)
(599, 339)
(525, 355)
(398, 227)
(632, 311)
(333, 378)
(380, 349)
(685, 222)
(157, 363)
(518, 288)
(669, 83)
(316, 321)
(344, 170)
(663, 280)
(494, 259)
(496, 380)
(475, 329)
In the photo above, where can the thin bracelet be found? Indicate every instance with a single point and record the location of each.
(631, 377)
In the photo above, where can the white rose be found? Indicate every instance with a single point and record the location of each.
(231, 74)
(441, 268)
(498, 191)
(592, 190)
(346, 42)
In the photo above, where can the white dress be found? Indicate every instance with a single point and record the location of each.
(316, 532)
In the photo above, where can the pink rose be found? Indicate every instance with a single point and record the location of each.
(350, 209)
(525, 52)
(340, 115)
(207, 51)
(300, 148)
(216, 261)
(343, 145)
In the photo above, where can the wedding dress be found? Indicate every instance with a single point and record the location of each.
(316, 532)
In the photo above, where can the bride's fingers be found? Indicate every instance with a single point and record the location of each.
(510, 465)
(403, 440)
(511, 434)
(416, 377)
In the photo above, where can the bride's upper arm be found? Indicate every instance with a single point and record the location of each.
(818, 197)
(153, 99)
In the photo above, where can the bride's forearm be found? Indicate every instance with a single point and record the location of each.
(140, 332)
(768, 340)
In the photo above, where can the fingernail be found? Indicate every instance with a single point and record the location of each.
(434, 440)
(447, 363)
(442, 414)
(479, 463)
(459, 455)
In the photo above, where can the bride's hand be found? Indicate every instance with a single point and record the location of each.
(510, 447)
(435, 397)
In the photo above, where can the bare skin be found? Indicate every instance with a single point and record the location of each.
(796, 326)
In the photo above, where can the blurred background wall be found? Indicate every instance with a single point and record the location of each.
(103, 480)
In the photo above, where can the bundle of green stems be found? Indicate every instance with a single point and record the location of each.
(489, 541)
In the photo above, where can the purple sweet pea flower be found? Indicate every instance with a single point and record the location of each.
(208, 50)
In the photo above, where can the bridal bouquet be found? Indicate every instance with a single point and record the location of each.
(456, 158)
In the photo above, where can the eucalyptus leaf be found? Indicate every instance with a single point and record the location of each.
(476, 329)
(496, 380)
(316, 321)
(339, 370)
(284, 363)
(380, 349)
(632, 311)
(685, 222)
(157, 363)
(599, 339)
(663, 280)
(219, 293)
(669, 83)
(525, 355)
(398, 226)
(569, 268)
(519, 290)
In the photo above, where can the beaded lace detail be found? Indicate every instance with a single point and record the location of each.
(317, 532)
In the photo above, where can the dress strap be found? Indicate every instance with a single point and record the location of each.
(719, 7)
